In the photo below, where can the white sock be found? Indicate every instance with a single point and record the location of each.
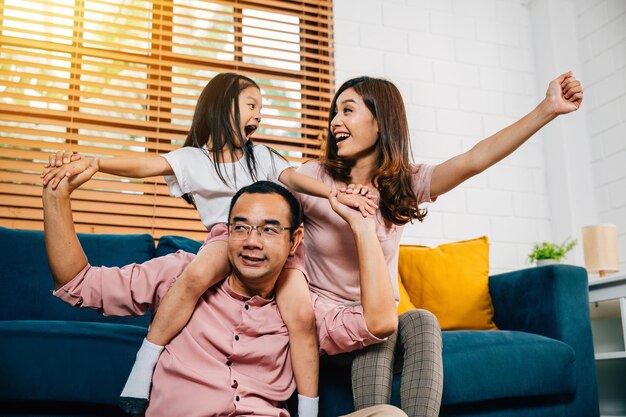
(307, 406)
(140, 378)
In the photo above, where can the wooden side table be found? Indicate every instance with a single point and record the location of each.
(607, 297)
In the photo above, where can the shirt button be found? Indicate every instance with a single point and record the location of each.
(236, 337)
(228, 363)
(247, 307)
(235, 384)
(237, 398)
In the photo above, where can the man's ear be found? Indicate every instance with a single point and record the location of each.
(296, 240)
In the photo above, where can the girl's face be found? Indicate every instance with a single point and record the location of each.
(354, 127)
(249, 111)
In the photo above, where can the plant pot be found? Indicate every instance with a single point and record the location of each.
(542, 262)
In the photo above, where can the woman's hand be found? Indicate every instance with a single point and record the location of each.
(565, 94)
(353, 217)
(363, 203)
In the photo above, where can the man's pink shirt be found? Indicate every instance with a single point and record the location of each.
(232, 358)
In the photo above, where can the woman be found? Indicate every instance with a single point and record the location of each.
(368, 145)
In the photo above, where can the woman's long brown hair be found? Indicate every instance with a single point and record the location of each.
(394, 173)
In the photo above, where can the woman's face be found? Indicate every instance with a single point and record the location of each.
(354, 127)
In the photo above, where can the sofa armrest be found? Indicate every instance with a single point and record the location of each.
(551, 301)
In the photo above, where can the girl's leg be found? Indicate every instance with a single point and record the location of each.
(173, 313)
(294, 303)
(209, 267)
(372, 374)
(421, 387)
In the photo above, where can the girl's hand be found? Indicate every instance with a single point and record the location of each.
(59, 158)
(357, 189)
(67, 186)
(62, 157)
(54, 175)
(565, 94)
(364, 204)
(351, 216)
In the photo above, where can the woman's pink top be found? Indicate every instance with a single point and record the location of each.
(331, 258)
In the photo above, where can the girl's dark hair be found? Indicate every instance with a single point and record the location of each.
(216, 121)
(394, 172)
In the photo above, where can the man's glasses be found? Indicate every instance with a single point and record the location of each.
(241, 231)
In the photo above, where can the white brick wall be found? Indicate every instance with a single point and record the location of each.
(465, 69)
(602, 47)
(601, 37)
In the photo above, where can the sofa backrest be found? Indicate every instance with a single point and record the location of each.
(170, 244)
(26, 283)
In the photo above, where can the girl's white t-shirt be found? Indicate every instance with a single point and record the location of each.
(195, 173)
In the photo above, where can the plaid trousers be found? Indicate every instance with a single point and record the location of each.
(418, 344)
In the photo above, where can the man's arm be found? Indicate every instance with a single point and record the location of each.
(125, 291)
(377, 298)
(65, 253)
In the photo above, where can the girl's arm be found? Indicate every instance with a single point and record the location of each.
(307, 185)
(131, 167)
(303, 183)
(564, 95)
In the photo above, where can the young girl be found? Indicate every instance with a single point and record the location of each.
(218, 158)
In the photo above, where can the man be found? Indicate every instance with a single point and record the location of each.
(232, 358)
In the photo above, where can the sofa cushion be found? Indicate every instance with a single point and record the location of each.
(66, 361)
(170, 244)
(519, 365)
(477, 366)
(451, 281)
(24, 271)
(405, 303)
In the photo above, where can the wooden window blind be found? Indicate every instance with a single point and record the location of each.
(121, 78)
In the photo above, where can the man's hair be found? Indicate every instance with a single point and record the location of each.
(268, 187)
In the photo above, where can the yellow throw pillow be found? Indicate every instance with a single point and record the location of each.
(451, 281)
(405, 301)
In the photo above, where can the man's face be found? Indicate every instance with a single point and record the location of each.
(259, 259)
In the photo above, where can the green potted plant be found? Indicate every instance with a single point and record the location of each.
(545, 253)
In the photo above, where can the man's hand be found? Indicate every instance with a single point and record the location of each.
(54, 175)
(65, 253)
(67, 184)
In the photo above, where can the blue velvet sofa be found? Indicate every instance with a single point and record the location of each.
(56, 360)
